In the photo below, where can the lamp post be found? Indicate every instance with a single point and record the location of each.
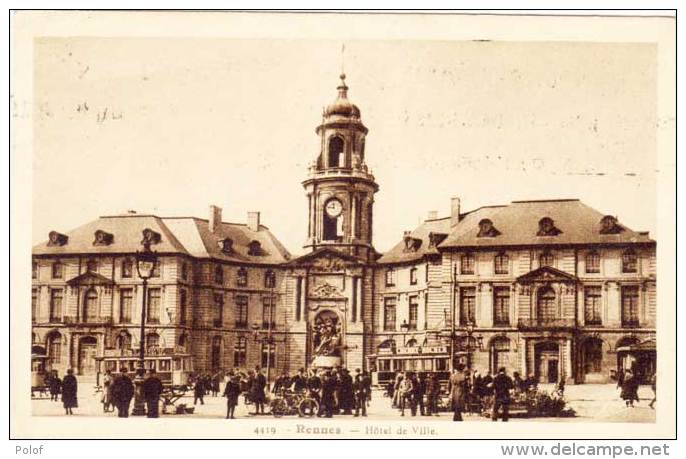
(404, 327)
(145, 265)
(266, 339)
(468, 343)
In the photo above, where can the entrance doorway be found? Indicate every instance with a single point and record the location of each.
(88, 348)
(547, 362)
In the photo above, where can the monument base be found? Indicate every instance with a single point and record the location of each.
(326, 361)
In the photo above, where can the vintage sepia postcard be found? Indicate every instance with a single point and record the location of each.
(257, 225)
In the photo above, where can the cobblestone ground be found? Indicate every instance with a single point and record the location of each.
(592, 403)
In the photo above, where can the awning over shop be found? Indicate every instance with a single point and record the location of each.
(645, 346)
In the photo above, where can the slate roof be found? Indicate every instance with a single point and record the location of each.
(399, 253)
(518, 226)
(180, 235)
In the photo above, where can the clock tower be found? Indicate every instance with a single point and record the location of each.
(340, 189)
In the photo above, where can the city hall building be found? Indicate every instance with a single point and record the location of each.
(550, 288)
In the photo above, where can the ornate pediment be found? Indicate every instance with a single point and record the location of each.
(326, 260)
(327, 291)
(546, 274)
(89, 279)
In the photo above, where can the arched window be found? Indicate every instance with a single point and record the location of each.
(242, 277)
(336, 147)
(501, 263)
(269, 279)
(90, 305)
(546, 306)
(54, 343)
(546, 259)
(152, 341)
(629, 262)
(218, 275)
(362, 149)
(592, 262)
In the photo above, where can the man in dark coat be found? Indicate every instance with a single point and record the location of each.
(419, 392)
(199, 390)
(122, 393)
(360, 393)
(328, 390)
(258, 387)
(629, 388)
(55, 385)
(314, 385)
(457, 388)
(69, 389)
(433, 391)
(299, 381)
(487, 384)
(346, 393)
(502, 385)
(231, 392)
(282, 382)
(152, 389)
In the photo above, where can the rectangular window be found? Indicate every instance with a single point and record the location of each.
(218, 310)
(629, 262)
(592, 262)
(57, 270)
(34, 270)
(125, 305)
(268, 312)
(241, 311)
(239, 352)
(34, 304)
(127, 268)
(467, 264)
(356, 282)
(390, 277)
(389, 314)
(501, 264)
(630, 306)
(467, 305)
(413, 313)
(298, 300)
(182, 307)
(501, 306)
(56, 305)
(592, 305)
(157, 269)
(413, 276)
(268, 355)
(153, 313)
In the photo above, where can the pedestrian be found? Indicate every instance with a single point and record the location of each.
(55, 385)
(328, 389)
(282, 382)
(299, 381)
(69, 390)
(487, 384)
(629, 389)
(653, 386)
(360, 393)
(231, 392)
(346, 393)
(199, 391)
(419, 392)
(457, 388)
(395, 403)
(152, 389)
(502, 385)
(404, 393)
(433, 390)
(367, 381)
(216, 381)
(259, 385)
(314, 385)
(122, 393)
(518, 382)
(107, 392)
(620, 378)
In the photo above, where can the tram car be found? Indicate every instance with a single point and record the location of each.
(39, 375)
(420, 360)
(173, 369)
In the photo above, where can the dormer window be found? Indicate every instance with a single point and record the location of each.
(486, 229)
(151, 237)
(103, 238)
(56, 239)
(226, 245)
(411, 244)
(609, 225)
(436, 238)
(255, 248)
(546, 227)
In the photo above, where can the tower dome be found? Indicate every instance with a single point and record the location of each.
(342, 106)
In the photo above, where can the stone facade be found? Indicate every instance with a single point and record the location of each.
(550, 288)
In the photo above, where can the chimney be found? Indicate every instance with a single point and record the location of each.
(433, 215)
(215, 218)
(254, 221)
(454, 211)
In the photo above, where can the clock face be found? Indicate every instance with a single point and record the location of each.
(334, 208)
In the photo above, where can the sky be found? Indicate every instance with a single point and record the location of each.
(170, 126)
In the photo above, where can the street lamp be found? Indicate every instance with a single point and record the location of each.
(145, 264)
(404, 327)
(268, 340)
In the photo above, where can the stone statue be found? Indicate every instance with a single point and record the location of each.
(327, 336)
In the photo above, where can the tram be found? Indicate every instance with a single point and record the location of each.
(424, 360)
(173, 368)
(39, 374)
